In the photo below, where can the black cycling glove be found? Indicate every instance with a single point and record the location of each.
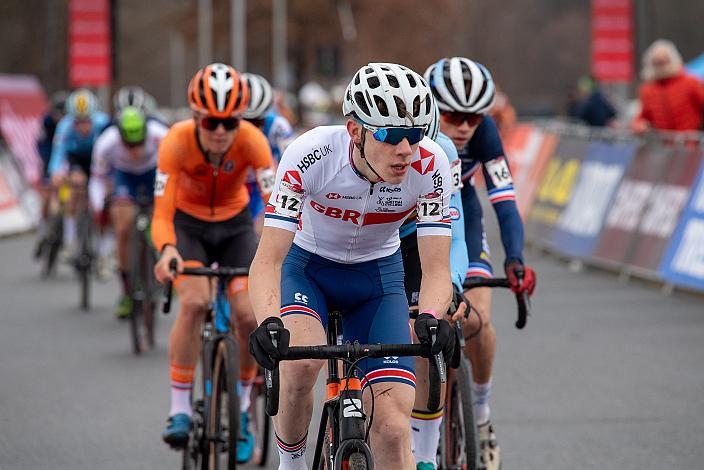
(445, 335)
(262, 347)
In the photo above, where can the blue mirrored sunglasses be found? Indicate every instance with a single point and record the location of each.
(394, 135)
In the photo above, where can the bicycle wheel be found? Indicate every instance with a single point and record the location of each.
(354, 455)
(85, 258)
(192, 457)
(458, 431)
(151, 293)
(260, 421)
(224, 411)
(52, 244)
(142, 316)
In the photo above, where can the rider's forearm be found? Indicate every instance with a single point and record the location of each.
(265, 287)
(436, 282)
(435, 290)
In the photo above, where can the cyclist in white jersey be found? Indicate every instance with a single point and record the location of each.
(330, 240)
(125, 157)
(276, 128)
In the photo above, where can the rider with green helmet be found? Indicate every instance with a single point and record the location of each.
(124, 159)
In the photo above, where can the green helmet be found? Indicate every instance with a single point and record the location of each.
(133, 125)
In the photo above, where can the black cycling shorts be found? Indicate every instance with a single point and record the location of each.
(230, 243)
(78, 162)
(411, 268)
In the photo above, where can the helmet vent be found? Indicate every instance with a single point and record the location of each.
(359, 99)
(416, 106)
(381, 106)
(400, 107)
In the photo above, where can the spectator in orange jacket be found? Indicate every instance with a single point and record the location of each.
(670, 99)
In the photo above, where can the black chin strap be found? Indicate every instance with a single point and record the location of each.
(361, 153)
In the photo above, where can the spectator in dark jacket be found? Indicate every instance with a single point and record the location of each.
(670, 99)
(593, 108)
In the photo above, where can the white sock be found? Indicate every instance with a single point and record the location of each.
(481, 394)
(425, 435)
(245, 395)
(69, 229)
(181, 398)
(292, 456)
(105, 245)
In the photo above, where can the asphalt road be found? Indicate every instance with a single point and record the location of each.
(606, 375)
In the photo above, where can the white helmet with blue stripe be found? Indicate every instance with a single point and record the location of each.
(461, 85)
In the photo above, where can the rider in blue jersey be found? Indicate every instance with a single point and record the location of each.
(72, 150)
(275, 127)
(425, 423)
(465, 93)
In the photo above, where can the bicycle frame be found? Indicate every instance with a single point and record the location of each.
(347, 421)
(216, 329)
(343, 410)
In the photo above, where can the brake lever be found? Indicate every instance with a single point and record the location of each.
(439, 357)
(168, 288)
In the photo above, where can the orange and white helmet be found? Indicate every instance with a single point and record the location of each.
(217, 90)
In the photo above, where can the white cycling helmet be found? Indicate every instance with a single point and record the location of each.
(434, 126)
(389, 95)
(462, 85)
(133, 96)
(81, 104)
(261, 96)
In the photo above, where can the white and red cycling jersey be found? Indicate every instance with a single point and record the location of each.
(338, 214)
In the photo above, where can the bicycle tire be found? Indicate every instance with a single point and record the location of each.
(226, 366)
(136, 294)
(85, 289)
(84, 261)
(357, 461)
(261, 421)
(52, 245)
(142, 317)
(151, 293)
(459, 431)
(353, 455)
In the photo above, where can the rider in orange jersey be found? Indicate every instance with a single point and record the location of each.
(201, 217)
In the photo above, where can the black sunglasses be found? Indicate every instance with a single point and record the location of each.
(211, 123)
(457, 118)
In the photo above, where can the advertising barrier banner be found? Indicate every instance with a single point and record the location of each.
(664, 207)
(22, 103)
(617, 239)
(528, 149)
(555, 189)
(648, 205)
(581, 222)
(17, 206)
(683, 262)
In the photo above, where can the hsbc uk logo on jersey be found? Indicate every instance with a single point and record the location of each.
(426, 163)
(314, 156)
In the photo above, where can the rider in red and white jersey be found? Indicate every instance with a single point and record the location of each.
(348, 218)
(331, 241)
